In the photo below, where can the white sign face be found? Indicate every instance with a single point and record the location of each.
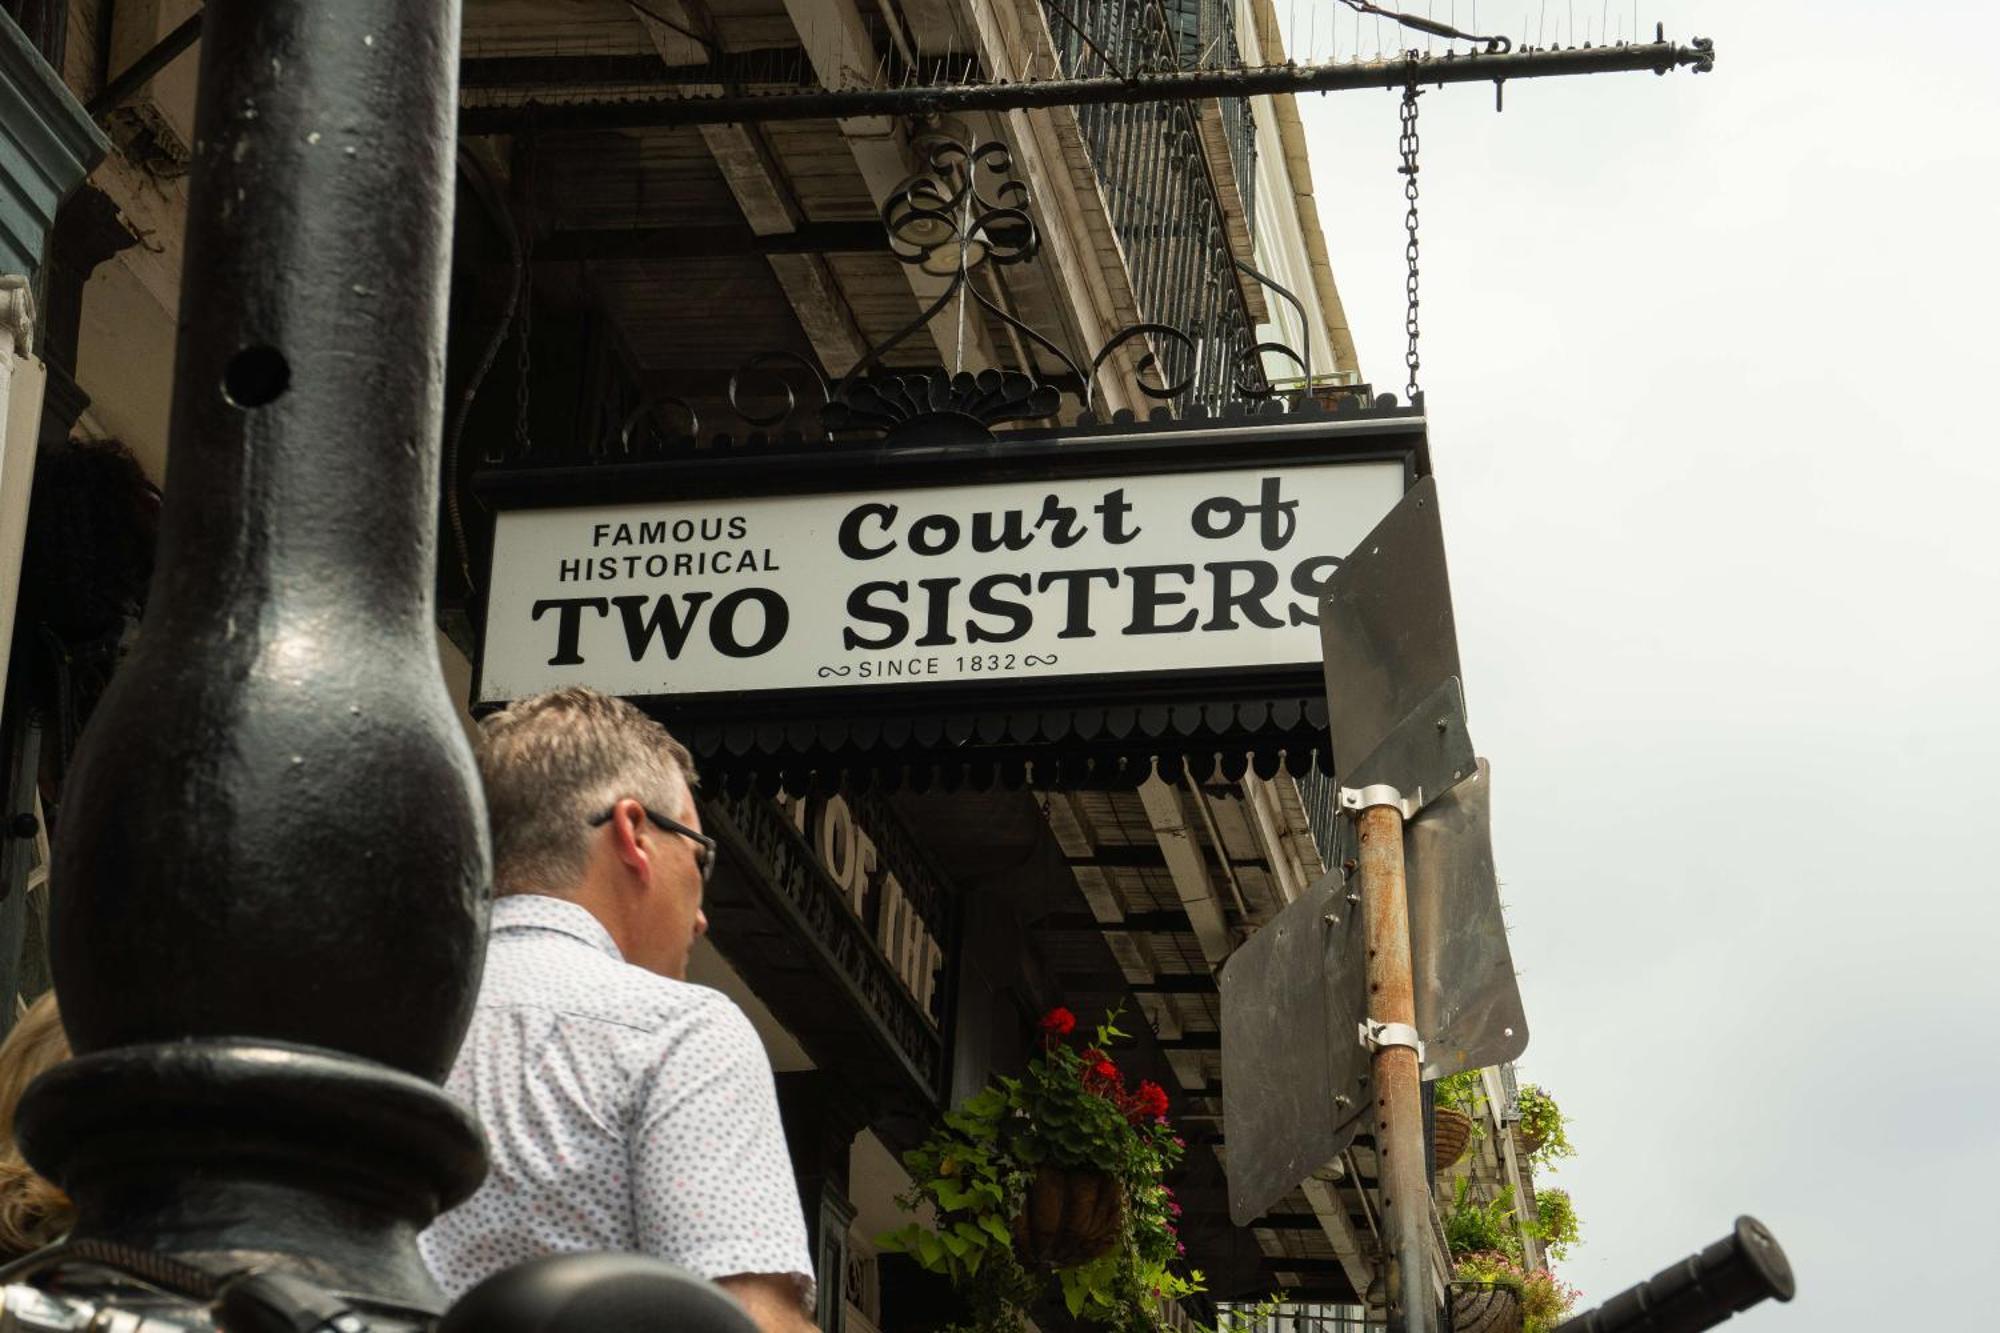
(1018, 580)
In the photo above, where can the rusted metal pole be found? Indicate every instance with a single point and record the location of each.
(1399, 1111)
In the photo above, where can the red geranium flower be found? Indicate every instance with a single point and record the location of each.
(1105, 1070)
(1058, 1022)
(1149, 1102)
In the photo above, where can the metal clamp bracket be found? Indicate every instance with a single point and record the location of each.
(1357, 799)
(1375, 1036)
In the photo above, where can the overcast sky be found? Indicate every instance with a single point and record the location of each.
(1710, 365)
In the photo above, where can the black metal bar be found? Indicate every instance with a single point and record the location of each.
(712, 242)
(163, 54)
(764, 64)
(1721, 1281)
(761, 64)
(1170, 86)
(1192, 1041)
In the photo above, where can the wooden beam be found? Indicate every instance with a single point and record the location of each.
(1190, 984)
(1288, 1221)
(1305, 1267)
(1349, 1242)
(781, 65)
(760, 190)
(1161, 922)
(1194, 1041)
(665, 244)
(1142, 858)
(843, 55)
(1189, 867)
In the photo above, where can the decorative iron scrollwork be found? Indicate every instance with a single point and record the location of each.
(1149, 362)
(892, 404)
(965, 211)
(773, 365)
(964, 219)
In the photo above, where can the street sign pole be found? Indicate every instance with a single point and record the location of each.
(1399, 1113)
(1343, 994)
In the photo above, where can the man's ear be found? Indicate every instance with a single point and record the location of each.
(628, 842)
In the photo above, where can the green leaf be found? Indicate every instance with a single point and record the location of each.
(930, 1251)
(953, 1243)
(996, 1228)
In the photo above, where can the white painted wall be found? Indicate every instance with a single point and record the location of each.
(1284, 247)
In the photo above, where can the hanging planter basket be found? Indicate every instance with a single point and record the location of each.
(1483, 1309)
(1531, 1141)
(1069, 1217)
(1451, 1130)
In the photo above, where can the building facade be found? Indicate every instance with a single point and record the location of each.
(639, 300)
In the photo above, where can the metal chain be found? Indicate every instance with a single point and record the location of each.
(1407, 145)
(524, 326)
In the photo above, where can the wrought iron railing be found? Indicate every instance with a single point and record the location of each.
(1510, 1094)
(1320, 795)
(1161, 197)
(1294, 1316)
(1207, 32)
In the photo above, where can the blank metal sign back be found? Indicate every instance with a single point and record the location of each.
(1386, 627)
(1293, 1073)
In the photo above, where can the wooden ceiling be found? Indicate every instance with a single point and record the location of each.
(709, 246)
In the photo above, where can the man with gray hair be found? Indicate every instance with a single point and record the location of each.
(624, 1108)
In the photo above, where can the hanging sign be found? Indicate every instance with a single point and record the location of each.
(1023, 580)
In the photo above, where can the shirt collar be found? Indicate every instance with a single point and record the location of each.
(535, 911)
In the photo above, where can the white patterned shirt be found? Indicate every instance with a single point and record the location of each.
(623, 1111)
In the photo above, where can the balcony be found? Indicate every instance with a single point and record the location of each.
(1178, 178)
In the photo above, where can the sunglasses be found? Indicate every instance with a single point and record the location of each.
(704, 846)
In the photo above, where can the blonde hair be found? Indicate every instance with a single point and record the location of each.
(552, 762)
(33, 1212)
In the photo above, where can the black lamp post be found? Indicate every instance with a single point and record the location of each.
(271, 874)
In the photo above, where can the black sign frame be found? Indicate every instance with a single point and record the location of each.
(1095, 724)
